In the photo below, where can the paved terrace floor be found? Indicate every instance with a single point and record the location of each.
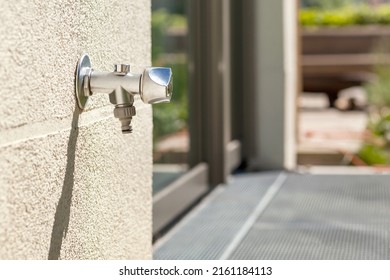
(287, 216)
(327, 130)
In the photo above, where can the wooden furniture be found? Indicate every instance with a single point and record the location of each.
(335, 58)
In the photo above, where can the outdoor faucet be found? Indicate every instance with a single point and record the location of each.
(154, 85)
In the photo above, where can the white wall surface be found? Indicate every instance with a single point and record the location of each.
(71, 185)
(276, 86)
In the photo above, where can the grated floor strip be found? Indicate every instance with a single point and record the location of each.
(310, 217)
(208, 233)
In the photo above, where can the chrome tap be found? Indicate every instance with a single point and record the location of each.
(154, 85)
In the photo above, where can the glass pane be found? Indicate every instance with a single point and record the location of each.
(170, 132)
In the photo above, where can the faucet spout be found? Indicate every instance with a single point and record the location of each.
(125, 114)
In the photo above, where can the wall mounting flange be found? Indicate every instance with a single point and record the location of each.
(83, 71)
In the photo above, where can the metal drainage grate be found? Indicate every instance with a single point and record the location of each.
(310, 217)
(206, 234)
(323, 217)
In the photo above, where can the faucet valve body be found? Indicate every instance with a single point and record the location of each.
(154, 85)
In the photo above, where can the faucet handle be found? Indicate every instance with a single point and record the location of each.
(156, 85)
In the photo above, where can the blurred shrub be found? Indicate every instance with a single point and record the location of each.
(162, 20)
(346, 15)
(380, 129)
(378, 91)
(373, 155)
(376, 150)
(173, 116)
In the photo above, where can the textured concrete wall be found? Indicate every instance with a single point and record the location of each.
(71, 185)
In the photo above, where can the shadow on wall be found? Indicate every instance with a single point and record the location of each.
(61, 218)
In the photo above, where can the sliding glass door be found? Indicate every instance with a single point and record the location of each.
(193, 147)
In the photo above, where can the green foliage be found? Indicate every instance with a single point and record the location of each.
(381, 127)
(379, 90)
(374, 155)
(377, 148)
(162, 20)
(346, 15)
(173, 116)
(160, 25)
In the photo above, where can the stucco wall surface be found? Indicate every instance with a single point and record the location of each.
(71, 185)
